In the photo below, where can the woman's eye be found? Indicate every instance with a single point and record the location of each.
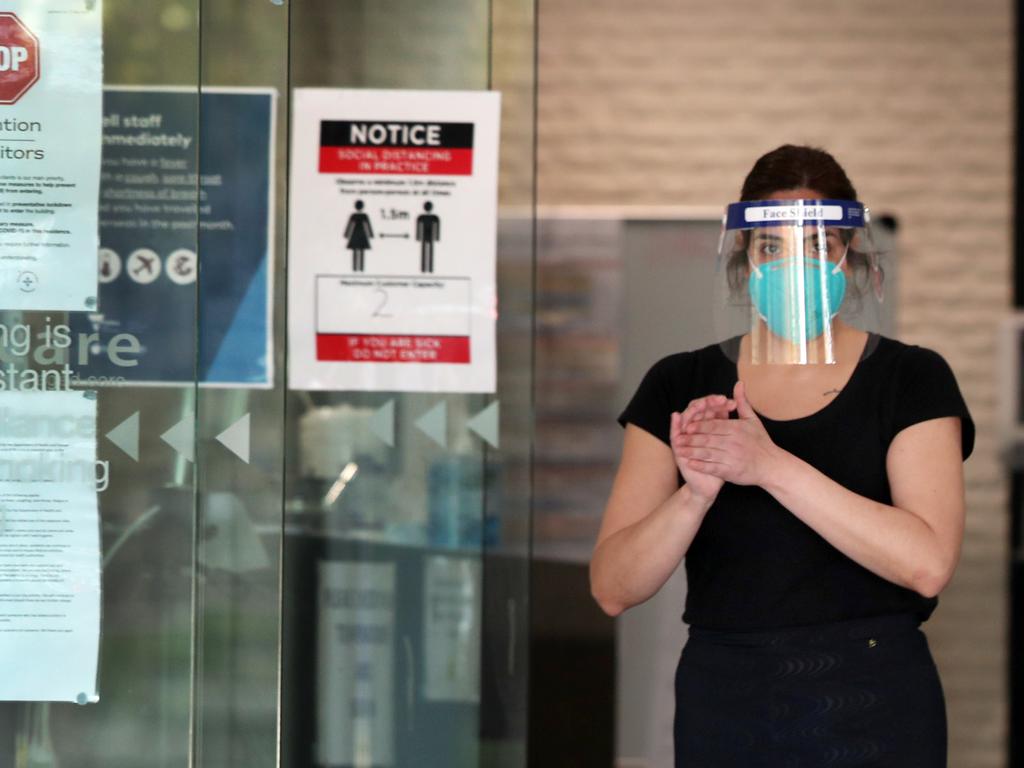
(771, 249)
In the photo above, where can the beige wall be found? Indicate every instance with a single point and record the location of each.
(668, 102)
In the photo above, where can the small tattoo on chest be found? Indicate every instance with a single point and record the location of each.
(830, 392)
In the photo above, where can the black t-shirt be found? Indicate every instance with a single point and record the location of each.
(755, 565)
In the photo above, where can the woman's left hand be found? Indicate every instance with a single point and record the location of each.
(737, 450)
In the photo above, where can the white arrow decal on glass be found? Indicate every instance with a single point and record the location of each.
(382, 423)
(126, 436)
(236, 438)
(434, 424)
(181, 437)
(485, 424)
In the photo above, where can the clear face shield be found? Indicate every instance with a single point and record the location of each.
(794, 278)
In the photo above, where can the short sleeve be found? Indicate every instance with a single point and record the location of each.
(651, 406)
(926, 389)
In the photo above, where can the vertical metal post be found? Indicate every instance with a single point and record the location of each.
(1016, 606)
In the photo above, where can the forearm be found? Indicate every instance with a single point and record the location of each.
(631, 565)
(891, 542)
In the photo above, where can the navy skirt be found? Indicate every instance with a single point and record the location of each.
(864, 692)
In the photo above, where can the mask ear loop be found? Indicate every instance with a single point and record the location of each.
(750, 262)
(754, 267)
(846, 249)
(839, 264)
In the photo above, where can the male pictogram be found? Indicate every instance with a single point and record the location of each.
(358, 233)
(428, 232)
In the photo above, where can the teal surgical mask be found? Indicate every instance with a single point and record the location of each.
(774, 290)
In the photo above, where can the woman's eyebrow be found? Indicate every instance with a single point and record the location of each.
(828, 233)
(766, 236)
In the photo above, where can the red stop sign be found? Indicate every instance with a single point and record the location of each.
(19, 58)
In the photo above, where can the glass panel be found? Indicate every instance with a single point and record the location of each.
(509, 497)
(405, 565)
(241, 397)
(140, 367)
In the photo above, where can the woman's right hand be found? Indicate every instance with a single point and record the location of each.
(703, 408)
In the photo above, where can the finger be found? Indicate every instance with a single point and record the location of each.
(677, 431)
(708, 407)
(743, 406)
(705, 454)
(713, 399)
(710, 427)
(723, 405)
(696, 403)
(676, 427)
(694, 418)
(708, 412)
(694, 408)
(717, 413)
(719, 442)
(706, 467)
(708, 401)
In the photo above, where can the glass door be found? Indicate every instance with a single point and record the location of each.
(99, 186)
(406, 526)
(250, 571)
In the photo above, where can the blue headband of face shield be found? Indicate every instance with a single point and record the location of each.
(796, 293)
(788, 213)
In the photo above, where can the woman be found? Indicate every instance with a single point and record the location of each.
(819, 506)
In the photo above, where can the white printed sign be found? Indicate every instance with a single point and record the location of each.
(49, 547)
(51, 73)
(452, 588)
(392, 240)
(355, 664)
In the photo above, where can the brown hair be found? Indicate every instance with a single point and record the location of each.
(795, 167)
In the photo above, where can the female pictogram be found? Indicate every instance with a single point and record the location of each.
(358, 233)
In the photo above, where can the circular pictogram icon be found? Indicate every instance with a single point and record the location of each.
(143, 266)
(181, 266)
(19, 58)
(28, 282)
(110, 265)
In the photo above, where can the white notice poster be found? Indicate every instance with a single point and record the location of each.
(355, 665)
(452, 595)
(51, 116)
(392, 240)
(49, 547)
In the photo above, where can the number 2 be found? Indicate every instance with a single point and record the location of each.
(377, 312)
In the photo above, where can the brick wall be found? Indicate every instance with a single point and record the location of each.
(670, 101)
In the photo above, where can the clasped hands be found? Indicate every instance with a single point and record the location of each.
(711, 448)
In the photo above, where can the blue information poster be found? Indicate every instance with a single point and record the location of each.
(152, 296)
